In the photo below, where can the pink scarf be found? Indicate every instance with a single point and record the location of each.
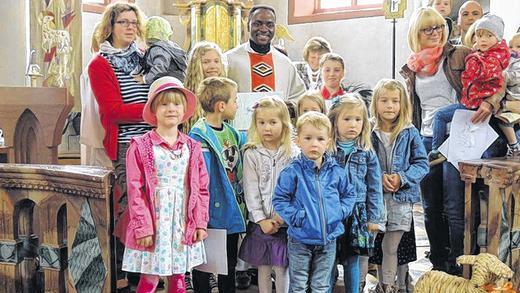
(426, 61)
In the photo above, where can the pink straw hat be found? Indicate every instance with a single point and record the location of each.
(160, 85)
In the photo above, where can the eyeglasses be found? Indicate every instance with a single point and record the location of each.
(429, 30)
(127, 23)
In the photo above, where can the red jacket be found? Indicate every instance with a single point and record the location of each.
(112, 110)
(483, 77)
(139, 216)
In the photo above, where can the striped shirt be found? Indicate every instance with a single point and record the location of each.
(131, 93)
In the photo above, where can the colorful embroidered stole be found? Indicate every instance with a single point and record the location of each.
(262, 72)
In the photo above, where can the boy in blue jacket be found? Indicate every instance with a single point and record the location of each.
(313, 196)
(221, 145)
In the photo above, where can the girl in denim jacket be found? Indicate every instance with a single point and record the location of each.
(353, 151)
(168, 195)
(404, 163)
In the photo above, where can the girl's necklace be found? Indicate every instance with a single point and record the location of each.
(175, 154)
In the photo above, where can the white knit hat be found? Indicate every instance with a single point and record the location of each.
(492, 23)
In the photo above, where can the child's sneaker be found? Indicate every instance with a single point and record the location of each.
(242, 280)
(435, 157)
(513, 150)
(213, 284)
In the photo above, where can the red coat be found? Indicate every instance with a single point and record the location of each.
(483, 77)
(112, 110)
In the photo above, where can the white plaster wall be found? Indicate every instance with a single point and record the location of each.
(13, 47)
(88, 23)
(509, 11)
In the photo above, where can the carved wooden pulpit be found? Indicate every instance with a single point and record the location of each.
(55, 225)
(32, 121)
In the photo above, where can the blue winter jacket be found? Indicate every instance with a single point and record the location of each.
(364, 173)
(313, 202)
(409, 160)
(224, 209)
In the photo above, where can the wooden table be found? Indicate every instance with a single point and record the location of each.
(503, 179)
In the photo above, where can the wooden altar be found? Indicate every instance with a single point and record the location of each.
(32, 121)
(55, 225)
(499, 230)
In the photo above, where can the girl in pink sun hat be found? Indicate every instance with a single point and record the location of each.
(167, 192)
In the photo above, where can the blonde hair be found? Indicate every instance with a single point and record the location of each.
(313, 96)
(404, 117)
(348, 102)
(316, 119)
(333, 57)
(103, 31)
(316, 44)
(513, 38)
(195, 74)
(94, 45)
(276, 107)
(468, 37)
(213, 90)
(168, 96)
(422, 18)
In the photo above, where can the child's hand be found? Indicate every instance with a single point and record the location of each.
(279, 221)
(373, 228)
(396, 181)
(139, 78)
(387, 183)
(145, 241)
(199, 235)
(267, 226)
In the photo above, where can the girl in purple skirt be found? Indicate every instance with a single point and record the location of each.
(268, 151)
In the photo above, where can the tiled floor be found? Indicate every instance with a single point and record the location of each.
(417, 268)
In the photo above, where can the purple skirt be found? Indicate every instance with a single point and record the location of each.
(261, 249)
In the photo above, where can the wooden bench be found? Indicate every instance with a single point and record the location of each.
(502, 177)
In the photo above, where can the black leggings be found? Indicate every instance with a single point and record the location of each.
(226, 283)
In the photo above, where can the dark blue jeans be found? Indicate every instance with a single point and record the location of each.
(440, 124)
(443, 202)
(310, 265)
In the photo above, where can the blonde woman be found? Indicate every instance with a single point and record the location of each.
(433, 77)
(205, 60)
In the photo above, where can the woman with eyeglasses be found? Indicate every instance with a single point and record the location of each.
(120, 98)
(433, 77)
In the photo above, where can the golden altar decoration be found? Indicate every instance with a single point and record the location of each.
(223, 22)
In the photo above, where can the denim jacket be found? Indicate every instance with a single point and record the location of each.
(364, 173)
(409, 161)
(314, 202)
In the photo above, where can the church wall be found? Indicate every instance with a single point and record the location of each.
(13, 47)
(365, 43)
(508, 10)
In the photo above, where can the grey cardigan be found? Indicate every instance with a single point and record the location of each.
(261, 170)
